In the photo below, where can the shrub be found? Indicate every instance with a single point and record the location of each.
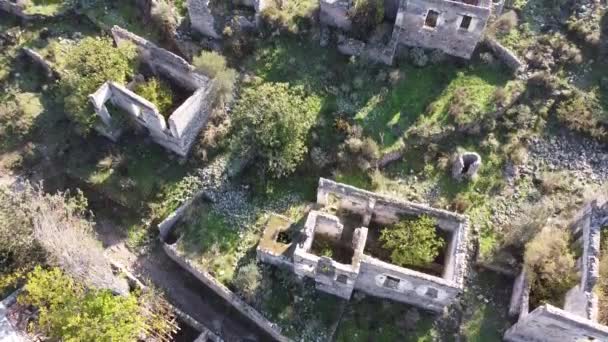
(366, 15)
(157, 92)
(526, 226)
(272, 122)
(290, 16)
(506, 22)
(247, 280)
(550, 266)
(87, 66)
(581, 112)
(69, 312)
(214, 65)
(412, 242)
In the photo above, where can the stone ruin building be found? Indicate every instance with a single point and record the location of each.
(452, 26)
(178, 132)
(466, 165)
(577, 320)
(350, 219)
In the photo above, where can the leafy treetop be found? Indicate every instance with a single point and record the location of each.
(412, 242)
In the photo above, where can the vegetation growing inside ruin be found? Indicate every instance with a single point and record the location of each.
(87, 66)
(46, 7)
(550, 267)
(289, 16)
(412, 242)
(366, 15)
(157, 92)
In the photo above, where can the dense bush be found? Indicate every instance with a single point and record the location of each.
(357, 150)
(581, 112)
(550, 266)
(366, 15)
(412, 242)
(214, 65)
(552, 51)
(86, 67)
(272, 122)
(157, 92)
(70, 312)
(290, 16)
(247, 280)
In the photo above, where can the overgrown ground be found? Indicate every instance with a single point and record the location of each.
(421, 111)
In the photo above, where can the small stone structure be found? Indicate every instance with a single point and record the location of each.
(180, 130)
(577, 321)
(452, 26)
(466, 165)
(352, 224)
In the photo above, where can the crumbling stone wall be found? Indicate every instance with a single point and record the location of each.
(550, 324)
(335, 13)
(365, 273)
(179, 132)
(164, 62)
(578, 320)
(447, 35)
(201, 18)
(505, 55)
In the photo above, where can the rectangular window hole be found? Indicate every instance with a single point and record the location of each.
(391, 283)
(431, 292)
(465, 24)
(431, 19)
(342, 278)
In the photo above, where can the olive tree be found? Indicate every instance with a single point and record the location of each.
(272, 122)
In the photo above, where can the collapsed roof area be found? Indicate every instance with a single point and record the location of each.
(348, 222)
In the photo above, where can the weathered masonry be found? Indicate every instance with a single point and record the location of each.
(453, 26)
(577, 321)
(179, 131)
(349, 220)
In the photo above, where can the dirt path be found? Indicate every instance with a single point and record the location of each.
(181, 288)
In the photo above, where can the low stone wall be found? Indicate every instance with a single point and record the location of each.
(550, 324)
(169, 222)
(43, 63)
(335, 13)
(164, 62)
(505, 55)
(225, 293)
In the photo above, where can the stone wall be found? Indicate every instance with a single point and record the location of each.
(202, 19)
(550, 324)
(179, 132)
(221, 290)
(416, 288)
(164, 62)
(335, 13)
(365, 273)
(505, 55)
(447, 35)
(43, 63)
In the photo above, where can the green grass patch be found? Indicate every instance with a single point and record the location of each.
(375, 319)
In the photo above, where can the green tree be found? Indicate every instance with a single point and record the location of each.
(85, 68)
(157, 92)
(412, 242)
(70, 312)
(272, 122)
